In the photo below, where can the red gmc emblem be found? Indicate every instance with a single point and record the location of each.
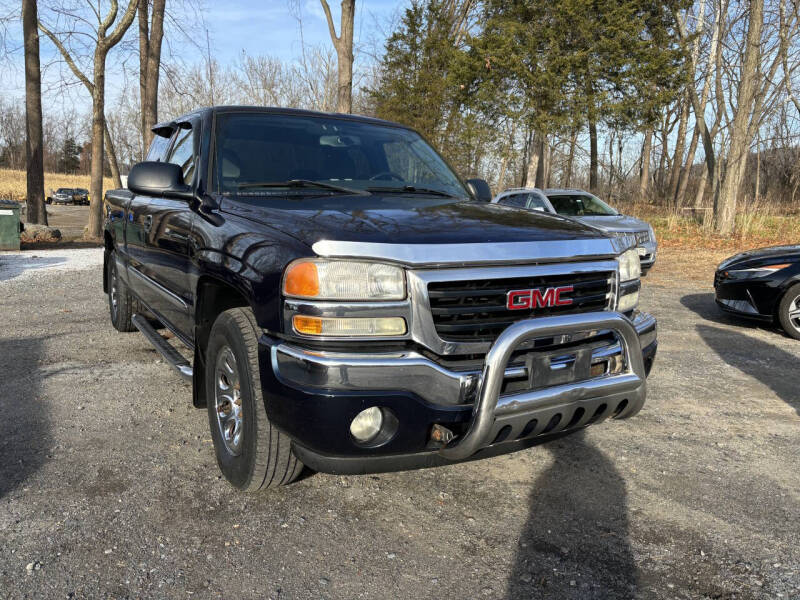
(530, 299)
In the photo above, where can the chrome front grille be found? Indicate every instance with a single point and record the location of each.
(476, 310)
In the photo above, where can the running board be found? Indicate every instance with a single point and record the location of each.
(172, 356)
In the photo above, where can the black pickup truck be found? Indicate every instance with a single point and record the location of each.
(352, 305)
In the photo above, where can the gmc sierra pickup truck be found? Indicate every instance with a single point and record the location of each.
(352, 305)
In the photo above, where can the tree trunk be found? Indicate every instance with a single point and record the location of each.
(111, 154)
(343, 43)
(592, 155)
(573, 142)
(151, 34)
(541, 167)
(740, 137)
(36, 211)
(535, 156)
(680, 144)
(686, 171)
(644, 172)
(501, 178)
(94, 228)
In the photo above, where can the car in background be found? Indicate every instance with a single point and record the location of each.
(80, 196)
(590, 210)
(762, 284)
(62, 196)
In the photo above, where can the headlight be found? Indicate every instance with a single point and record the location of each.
(763, 271)
(652, 233)
(630, 268)
(321, 279)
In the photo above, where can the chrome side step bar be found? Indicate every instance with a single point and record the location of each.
(492, 410)
(172, 356)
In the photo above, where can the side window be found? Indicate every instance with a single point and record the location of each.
(536, 202)
(519, 200)
(182, 153)
(158, 148)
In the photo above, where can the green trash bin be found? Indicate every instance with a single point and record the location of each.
(10, 225)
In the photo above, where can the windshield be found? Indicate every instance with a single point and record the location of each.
(262, 154)
(580, 205)
(63, 191)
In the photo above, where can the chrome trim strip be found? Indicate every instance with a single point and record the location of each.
(485, 409)
(172, 296)
(418, 255)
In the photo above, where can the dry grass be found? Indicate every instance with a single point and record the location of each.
(757, 225)
(13, 183)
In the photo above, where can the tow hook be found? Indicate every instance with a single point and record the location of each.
(441, 435)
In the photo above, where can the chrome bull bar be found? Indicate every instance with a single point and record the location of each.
(491, 409)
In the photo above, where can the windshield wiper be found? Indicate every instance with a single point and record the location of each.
(412, 189)
(304, 183)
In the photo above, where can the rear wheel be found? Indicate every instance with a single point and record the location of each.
(789, 311)
(252, 454)
(121, 303)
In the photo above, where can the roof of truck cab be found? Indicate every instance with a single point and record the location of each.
(172, 124)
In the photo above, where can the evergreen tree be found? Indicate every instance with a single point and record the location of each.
(421, 81)
(70, 156)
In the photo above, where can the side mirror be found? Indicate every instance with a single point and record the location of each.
(159, 179)
(480, 189)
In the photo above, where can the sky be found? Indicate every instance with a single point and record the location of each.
(256, 26)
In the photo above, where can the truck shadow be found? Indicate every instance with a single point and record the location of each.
(778, 369)
(704, 306)
(24, 430)
(575, 542)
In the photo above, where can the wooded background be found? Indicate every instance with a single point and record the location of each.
(691, 106)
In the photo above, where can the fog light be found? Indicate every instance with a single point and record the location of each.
(367, 425)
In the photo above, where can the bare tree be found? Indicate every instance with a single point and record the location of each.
(344, 52)
(104, 41)
(151, 33)
(33, 117)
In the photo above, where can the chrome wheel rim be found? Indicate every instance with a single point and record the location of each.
(113, 292)
(228, 401)
(794, 313)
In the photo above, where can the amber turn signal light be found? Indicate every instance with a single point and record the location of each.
(302, 280)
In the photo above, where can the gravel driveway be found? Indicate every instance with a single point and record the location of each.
(108, 485)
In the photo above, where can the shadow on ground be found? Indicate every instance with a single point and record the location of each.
(774, 367)
(704, 306)
(13, 265)
(24, 430)
(576, 542)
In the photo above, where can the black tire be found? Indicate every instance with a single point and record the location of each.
(121, 303)
(261, 456)
(787, 315)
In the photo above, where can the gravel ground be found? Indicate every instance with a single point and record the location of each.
(108, 485)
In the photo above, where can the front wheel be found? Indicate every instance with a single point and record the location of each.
(121, 303)
(252, 454)
(789, 311)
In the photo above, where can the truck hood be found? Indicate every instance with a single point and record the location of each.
(614, 223)
(406, 220)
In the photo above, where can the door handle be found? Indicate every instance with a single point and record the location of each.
(148, 222)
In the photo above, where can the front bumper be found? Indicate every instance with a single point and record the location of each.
(313, 396)
(647, 255)
(752, 299)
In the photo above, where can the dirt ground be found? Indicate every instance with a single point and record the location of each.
(109, 488)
